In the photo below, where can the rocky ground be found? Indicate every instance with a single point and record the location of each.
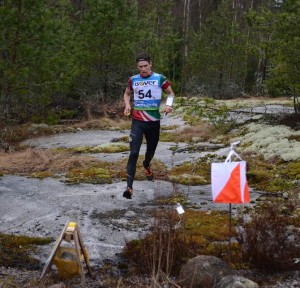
(115, 278)
(41, 208)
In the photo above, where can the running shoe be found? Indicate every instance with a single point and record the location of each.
(149, 173)
(128, 193)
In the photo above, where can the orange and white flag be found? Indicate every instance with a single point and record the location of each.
(229, 183)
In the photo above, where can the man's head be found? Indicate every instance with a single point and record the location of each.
(144, 64)
(143, 57)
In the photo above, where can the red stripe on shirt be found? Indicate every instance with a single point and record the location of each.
(139, 115)
(165, 85)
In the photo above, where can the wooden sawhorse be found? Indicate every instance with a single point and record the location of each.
(69, 233)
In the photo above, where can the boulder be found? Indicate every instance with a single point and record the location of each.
(203, 272)
(236, 282)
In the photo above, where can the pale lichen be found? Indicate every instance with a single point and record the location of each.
(271, 141)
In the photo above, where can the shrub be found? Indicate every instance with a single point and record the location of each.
(164, 250)
(266, 240)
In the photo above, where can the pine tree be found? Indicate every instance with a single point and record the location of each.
(38, 55)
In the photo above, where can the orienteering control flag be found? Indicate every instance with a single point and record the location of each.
(229, 183)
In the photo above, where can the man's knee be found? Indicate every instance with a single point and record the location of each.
(134, 154)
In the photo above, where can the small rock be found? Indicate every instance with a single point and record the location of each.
(236, 281)
(130, 214)
(59, 285)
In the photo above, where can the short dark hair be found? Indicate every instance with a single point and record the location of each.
(142, 57)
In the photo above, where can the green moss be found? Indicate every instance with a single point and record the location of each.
(187, 179)
(207, 226)
(291, 170)
(272, 177)
(15, 251)
(112, 148)
(257, 177)
(180, 101)
(221, 250)
(41, 174)
(189, 173)
(168, 137)
(192, 120)
(175, 198)
(94, 175)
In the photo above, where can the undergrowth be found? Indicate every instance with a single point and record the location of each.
(15, 251)
(270, 239)
(273, 176)
(267, 239)
(164, 249)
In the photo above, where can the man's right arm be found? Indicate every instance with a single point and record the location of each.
(127, 96)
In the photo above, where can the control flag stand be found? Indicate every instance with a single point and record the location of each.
(229, 185)
(69, 268)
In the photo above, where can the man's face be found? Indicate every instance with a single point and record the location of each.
(144, 68)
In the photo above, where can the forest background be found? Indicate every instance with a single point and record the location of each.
(61, 59)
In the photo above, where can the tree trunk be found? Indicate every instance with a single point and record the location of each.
(296, 104)
(87, 105)
(247, 53)
(186, 25)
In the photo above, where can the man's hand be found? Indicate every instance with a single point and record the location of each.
(127, 110)
(168, 109)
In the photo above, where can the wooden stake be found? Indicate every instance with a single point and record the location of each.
(229, 237)
(77, 248)
(84, 252)
(54, 250)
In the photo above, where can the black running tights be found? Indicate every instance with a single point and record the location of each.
(138, 129)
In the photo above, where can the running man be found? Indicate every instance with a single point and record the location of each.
(146, 88)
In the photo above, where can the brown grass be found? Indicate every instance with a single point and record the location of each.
(11, 136)
(203, 131)
(104, 123)
(37, 160)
